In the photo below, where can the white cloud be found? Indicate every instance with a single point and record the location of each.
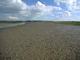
(65, 19)
(52, 15)
(12, 6)
(65, 2)
(66, 13)
(23, 11)
(13, 18)
(65, 16)
(40, 9)
(73, 5)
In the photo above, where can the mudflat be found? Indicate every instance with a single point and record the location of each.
(40, 41)
(2, 23)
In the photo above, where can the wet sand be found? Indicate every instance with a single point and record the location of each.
(40, 41)
(2, 23)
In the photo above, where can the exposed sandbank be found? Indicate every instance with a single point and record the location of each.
(40, 41)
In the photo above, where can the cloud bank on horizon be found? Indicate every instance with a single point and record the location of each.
(59, 10)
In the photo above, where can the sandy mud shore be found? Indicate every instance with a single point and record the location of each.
(1, 23)
(40, 41)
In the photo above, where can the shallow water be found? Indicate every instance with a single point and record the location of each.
(6, 26)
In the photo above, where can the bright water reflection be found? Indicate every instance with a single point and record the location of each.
(5, 26)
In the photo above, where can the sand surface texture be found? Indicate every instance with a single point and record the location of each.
(40, 41)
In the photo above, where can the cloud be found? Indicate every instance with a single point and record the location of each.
(52, 15)
(65, 19)
(73, 5)
(13, 18)
(65, 2)
(12, 6)
(65, 16)
(40, 9)
(66, 13)
(21, 10)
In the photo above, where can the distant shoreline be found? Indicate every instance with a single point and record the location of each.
(58, 22)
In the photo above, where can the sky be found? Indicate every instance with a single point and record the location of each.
(45, 10)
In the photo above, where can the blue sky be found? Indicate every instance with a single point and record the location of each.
(46, 10)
